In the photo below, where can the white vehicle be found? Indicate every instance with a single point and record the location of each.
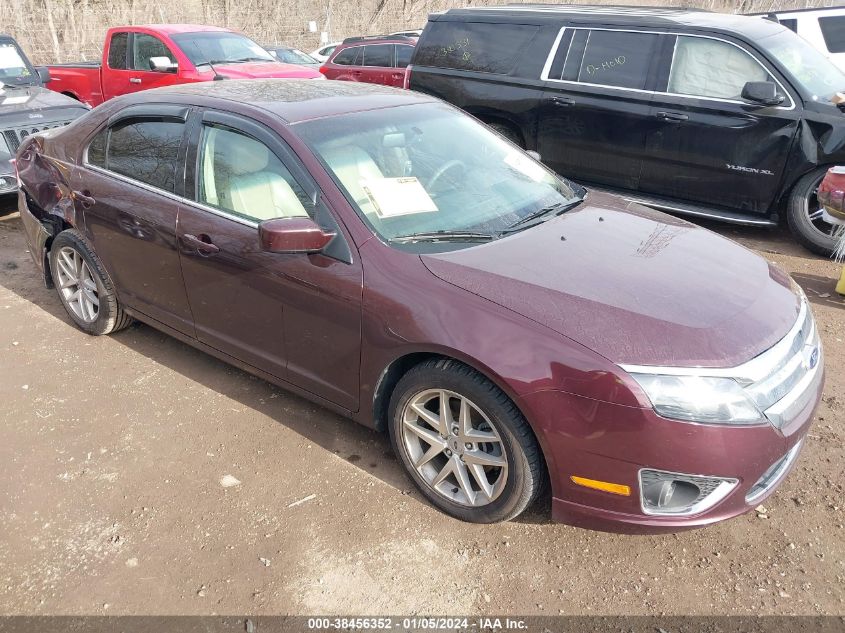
(411, 33)
(823, 28)
(324, 52)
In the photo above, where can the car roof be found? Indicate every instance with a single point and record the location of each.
(293, 100)
(175, 29)
(622, 16)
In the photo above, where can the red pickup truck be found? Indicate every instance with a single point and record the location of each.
(141, 57)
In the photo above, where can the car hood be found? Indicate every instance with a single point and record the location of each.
(32, 100)
(632, 284)
(266, 70)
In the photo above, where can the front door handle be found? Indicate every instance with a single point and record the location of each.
(672, 116)
(84, 198)
(563, 101)
(134, 80)
(202, 244)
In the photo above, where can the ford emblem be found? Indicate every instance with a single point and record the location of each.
(813, 360)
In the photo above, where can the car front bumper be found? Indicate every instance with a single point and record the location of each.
(613, 443)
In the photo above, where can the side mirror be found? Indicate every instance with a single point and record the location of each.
(762, 93)
(292, 235)
(163, 65)
(535, 155)
(43, 74)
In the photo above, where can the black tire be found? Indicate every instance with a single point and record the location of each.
(526, 467)
(806, 232)
(508, 132)
(110, 317)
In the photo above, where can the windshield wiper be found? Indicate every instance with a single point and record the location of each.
(551, 210)
(443, 236)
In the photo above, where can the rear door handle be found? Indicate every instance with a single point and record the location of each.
(134, 80)
(202, 244)
(563, 101)
(672, 116)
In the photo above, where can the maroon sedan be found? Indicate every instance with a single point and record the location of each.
(389, 257)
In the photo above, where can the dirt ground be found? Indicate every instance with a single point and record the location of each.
(113, 449)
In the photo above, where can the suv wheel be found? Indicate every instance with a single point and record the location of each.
(804, 215)
(84, 287)
(464, 443)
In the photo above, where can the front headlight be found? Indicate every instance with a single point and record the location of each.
(699, 399)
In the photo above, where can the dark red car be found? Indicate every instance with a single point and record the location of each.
(391, 258)
(373, 59)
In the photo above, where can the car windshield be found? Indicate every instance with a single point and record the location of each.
(810, 68)
(293, 56)
(428, 169)
(220, 47)
(14, 69)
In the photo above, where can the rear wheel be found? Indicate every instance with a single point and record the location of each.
(804, 215)
(464, 443)
(84, 287)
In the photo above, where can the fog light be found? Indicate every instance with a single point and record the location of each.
(7, 183)
(677, 494)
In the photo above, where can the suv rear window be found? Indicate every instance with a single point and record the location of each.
(485, 48)
(833, 31)
(618, 58)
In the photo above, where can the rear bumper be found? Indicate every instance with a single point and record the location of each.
(612, 443)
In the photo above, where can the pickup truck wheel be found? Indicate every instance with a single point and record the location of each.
(508, 132)
(464, 443)
(84, 287)
(804, 215)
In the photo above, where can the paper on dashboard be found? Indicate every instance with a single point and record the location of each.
(393, 197)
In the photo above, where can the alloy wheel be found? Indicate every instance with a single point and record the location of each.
(814, 211)
(77, 285)
(454, 447)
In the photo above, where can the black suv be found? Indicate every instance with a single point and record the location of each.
(715, 115)
(26, 107)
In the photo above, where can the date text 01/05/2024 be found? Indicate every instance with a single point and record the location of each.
(416, 623)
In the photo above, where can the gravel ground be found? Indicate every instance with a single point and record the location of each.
(141, 476)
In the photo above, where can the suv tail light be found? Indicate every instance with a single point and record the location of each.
(323, 69)
(406, 82)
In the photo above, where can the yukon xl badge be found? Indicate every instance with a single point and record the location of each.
(749, 170)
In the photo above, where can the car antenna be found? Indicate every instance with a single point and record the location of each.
(217, 76)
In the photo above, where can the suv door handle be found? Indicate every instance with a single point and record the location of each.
(134, 80)
(204, 246)
(672, 116)
(563, 101)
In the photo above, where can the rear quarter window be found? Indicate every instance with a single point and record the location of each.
(347, 56)
(833, 31)
(478, 47)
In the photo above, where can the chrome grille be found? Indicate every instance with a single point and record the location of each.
(15, 136)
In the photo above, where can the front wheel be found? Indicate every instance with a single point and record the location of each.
(84, 286)
(464, 443)
(804, 215)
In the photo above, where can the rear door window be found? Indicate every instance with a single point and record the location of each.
(705, 67)
(117, 51)
(618, 58)
(146, 150)
(486, 48)
(833, 31)
(378, 55)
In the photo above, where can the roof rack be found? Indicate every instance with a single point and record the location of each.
(363, 38)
